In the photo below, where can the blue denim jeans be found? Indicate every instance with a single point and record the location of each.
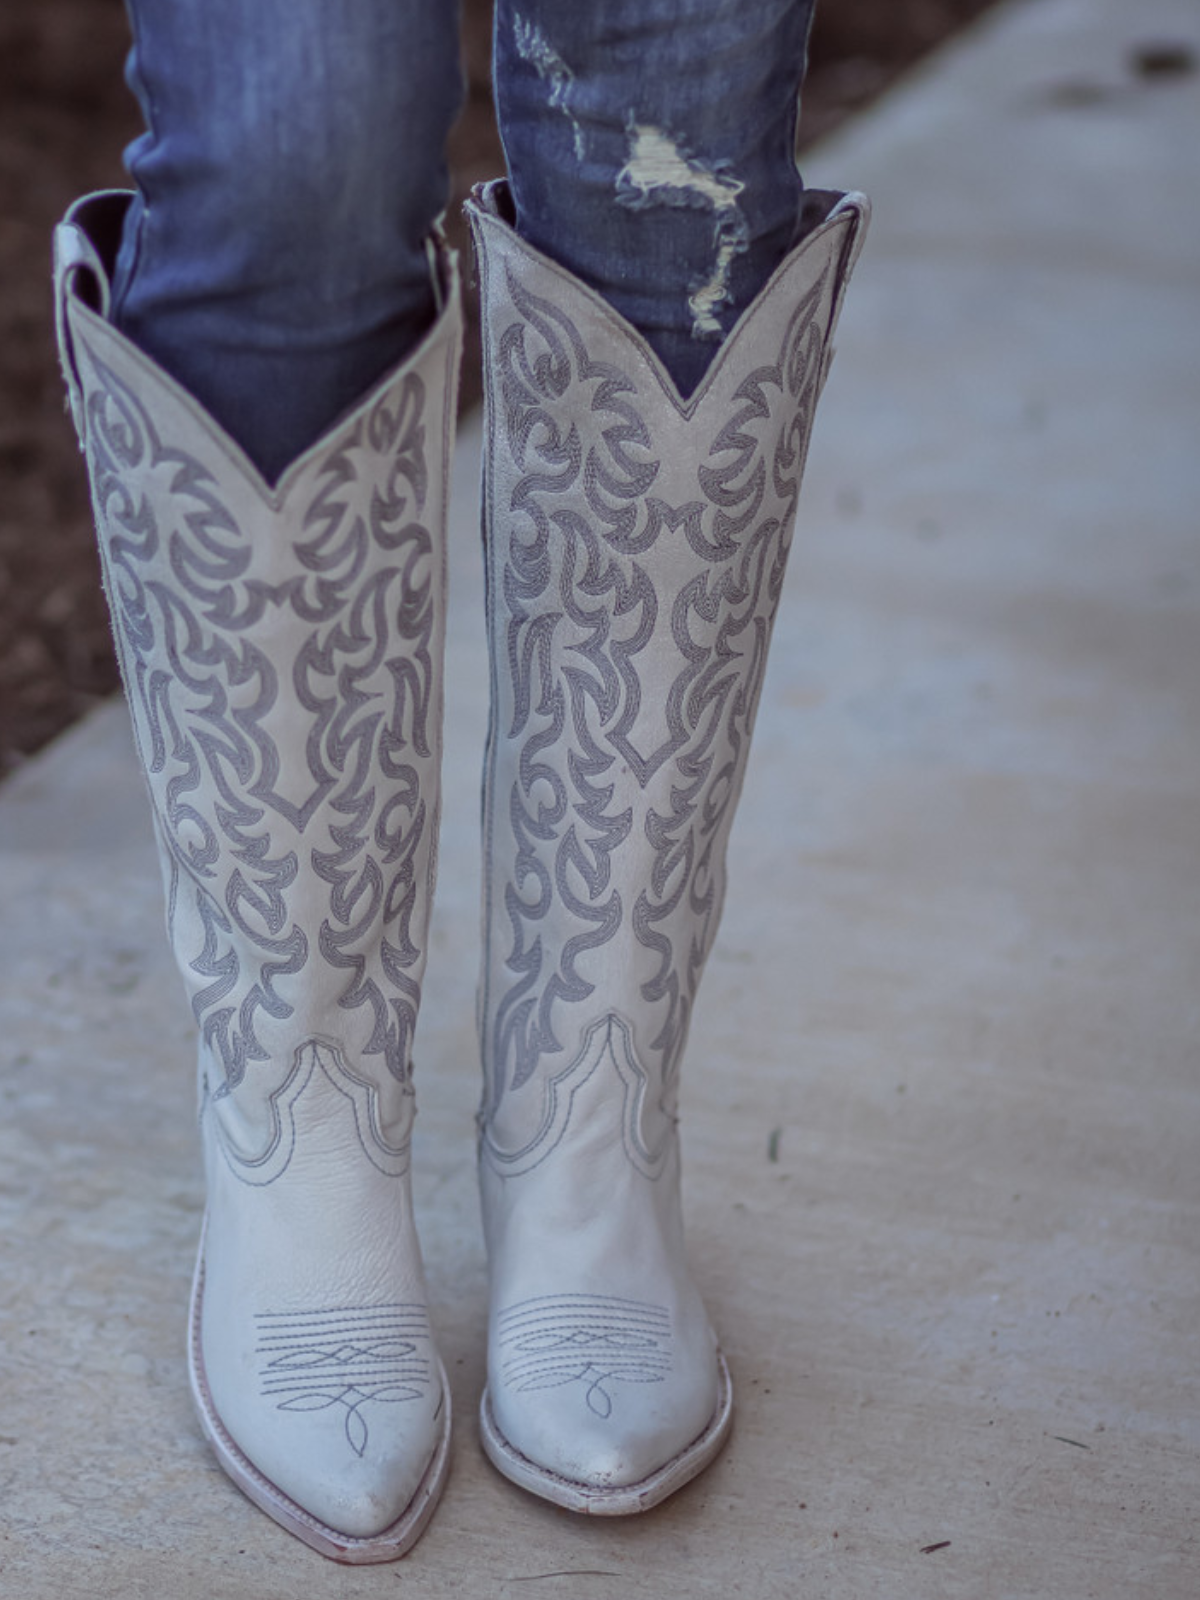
(293, 165)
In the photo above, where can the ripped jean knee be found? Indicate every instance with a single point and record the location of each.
(651, 151)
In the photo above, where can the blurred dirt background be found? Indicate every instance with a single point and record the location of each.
(65, 116)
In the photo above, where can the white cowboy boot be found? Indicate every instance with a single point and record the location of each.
(282, 654)
(635, 552)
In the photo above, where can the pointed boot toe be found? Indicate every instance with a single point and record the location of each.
(612, 1436)
(356, 1493)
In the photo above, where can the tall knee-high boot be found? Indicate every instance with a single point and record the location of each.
(281, 648)
(635, 553)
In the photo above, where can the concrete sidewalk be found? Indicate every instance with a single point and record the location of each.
(942, 1102)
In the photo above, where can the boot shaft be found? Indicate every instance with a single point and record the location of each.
(636, 546)
(281, 647)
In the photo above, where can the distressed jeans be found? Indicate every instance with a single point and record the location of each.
(274, 258)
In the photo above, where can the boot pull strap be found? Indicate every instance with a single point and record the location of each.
(858, 208)
(80, 272)
(442, 265)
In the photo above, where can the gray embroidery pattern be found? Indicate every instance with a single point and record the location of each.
(647, 1119)
(595, 1340)
(283, 676)
(353, 1358)
(632, 597)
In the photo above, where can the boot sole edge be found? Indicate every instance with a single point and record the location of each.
(625, 1499)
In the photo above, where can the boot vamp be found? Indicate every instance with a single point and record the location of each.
(313, 1325)
(602, 1365)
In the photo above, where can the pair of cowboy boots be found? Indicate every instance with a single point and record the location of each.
(281, 648)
